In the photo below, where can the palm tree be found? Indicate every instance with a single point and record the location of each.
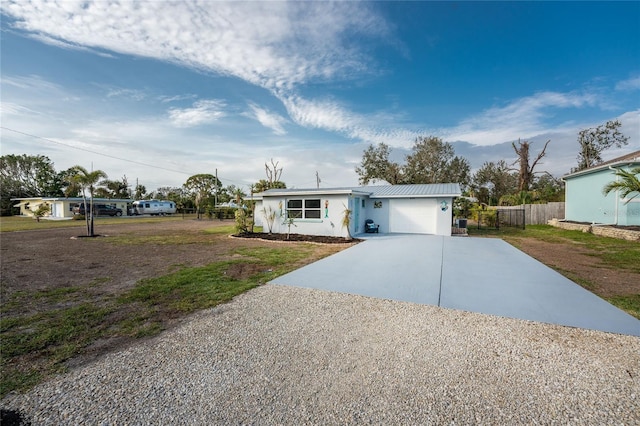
(87, 180)
(519, 198)
(239, 195)
(627, 185)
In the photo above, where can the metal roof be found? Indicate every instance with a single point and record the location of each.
(382, 191)
(414, 191)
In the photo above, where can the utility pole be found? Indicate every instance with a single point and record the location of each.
(318, 180)
(215, 198)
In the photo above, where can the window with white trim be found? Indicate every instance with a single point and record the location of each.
(308, 208)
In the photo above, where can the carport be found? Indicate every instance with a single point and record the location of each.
(474, 274)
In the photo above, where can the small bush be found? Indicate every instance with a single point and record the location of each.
(242, 221)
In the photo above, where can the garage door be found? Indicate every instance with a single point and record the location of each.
(417, 216)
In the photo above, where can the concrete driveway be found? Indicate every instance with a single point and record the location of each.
(472, 274)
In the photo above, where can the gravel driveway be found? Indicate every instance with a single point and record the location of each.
(284, 355)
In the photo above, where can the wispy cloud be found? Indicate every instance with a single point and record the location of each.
(268, 119)
(136, 95)
(271, 44)
(31, 82)
(9, 108)
(275, 45)
(628, 85)
(333, 116)
(69, 46)
(168, 99)
(522, 117)
(202, 112)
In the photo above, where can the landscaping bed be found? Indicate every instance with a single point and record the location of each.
(321, 239)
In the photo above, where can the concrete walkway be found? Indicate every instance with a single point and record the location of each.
(483, 275)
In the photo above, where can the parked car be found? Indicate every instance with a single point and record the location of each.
(98, 210)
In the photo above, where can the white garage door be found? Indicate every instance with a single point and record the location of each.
(417, 216)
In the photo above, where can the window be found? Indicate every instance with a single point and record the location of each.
(304, 209)
(312, 209)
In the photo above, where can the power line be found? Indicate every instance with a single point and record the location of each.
(112, 156)
(96, 152)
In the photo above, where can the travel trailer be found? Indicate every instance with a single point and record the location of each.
(154, 207)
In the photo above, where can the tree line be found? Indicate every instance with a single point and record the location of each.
(431, 161)
(497, 182)
(25, 176)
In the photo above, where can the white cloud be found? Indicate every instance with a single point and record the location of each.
(522, 117)
(332, 116)
(629, 84)
(168, 99)
(10, 108)
(203, 112)
(273, 121)
(136, 95)
(275, 45)
(271, 44)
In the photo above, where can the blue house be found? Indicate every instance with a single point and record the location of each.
(585, 202)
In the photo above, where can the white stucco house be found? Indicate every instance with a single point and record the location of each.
(62, 207)
(416, 209)
(585, 202)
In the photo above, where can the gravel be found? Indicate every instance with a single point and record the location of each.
(284, 355)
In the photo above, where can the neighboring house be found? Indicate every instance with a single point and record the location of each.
(63, 207)
(585, 202)
(415, 209)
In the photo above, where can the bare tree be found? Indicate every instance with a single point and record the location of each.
(526, 171)
(273, 173)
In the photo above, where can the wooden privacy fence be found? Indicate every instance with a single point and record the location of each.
(538, 214)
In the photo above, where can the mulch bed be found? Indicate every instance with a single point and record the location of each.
(298, 238)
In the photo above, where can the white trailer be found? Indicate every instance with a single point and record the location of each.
(154, 207)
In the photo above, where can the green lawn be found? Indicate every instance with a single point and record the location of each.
(17, 223)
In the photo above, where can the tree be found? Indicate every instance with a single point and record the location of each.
(274, 174)
(24, 176)
(263, 185)
(201, 187)
(114, 188)
(238, 195)
(42, 210)
(595, 140)
(548, 188)
(140, 192)
(434, 161)
(87, 180)
(375, 165)
(431, 161)
(628, 184)
(519, 198)
(526, 172)
(493, 181)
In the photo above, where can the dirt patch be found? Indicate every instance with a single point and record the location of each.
(39, 265)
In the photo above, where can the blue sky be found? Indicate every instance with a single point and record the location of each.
(159, 91)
